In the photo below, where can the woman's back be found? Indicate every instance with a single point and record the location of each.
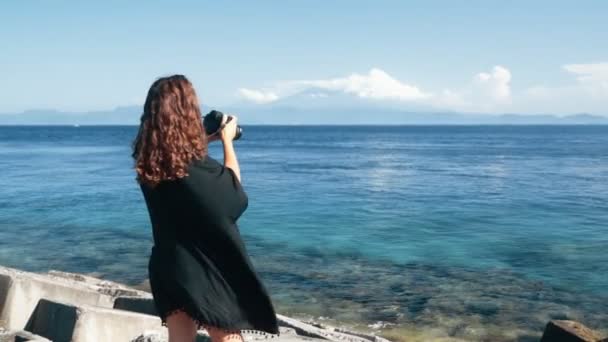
(208, 199)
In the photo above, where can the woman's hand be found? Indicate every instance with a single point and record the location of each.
(228, 130)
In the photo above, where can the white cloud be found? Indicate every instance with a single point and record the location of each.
(258, 96)
(452, 100)
(587, 93)
(487, 92)
(495, 84)
(377, 84)
(593, 77)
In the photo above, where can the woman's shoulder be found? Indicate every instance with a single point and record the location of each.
(206, 163)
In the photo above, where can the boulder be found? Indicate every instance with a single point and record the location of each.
(569, 331)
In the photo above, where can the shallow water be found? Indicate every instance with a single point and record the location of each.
(481, 232)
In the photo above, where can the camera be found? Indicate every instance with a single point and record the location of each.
(213, 123)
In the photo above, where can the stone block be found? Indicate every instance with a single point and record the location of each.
(66, 322)
(20, 292)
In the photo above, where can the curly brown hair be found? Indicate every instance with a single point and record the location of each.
(171, 132)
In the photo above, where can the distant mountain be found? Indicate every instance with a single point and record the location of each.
(315, 105)
(292, 111)
(387, 116)
(319, 98)
(117, 116)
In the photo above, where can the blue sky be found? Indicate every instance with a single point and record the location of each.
(477, 56)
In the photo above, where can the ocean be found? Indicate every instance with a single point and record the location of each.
(417, 232)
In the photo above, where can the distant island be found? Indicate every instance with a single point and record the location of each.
(291, 115)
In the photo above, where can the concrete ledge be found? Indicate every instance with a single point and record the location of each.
(65, 306)
(143, 305)
(106, 287)
(155, 337)
(326, 332)
(20, 336)
(65, 322)
(6, 282)
(288, 326)
(20, 292)
(287, 335)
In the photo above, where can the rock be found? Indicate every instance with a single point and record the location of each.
(84, 323)
(569, 331)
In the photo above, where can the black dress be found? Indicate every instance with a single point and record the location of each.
(199, 263)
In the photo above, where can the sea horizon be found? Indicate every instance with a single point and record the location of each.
(330, 125)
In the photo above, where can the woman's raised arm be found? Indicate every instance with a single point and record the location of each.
(227, 135)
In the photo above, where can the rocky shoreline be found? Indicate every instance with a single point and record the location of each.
(60, 306)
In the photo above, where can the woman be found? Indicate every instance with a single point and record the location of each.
(200, 273)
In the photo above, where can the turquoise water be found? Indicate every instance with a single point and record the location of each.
(462, 231)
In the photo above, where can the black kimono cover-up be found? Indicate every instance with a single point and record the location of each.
(199, 263)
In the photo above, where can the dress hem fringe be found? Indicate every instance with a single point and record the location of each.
(202, 324)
